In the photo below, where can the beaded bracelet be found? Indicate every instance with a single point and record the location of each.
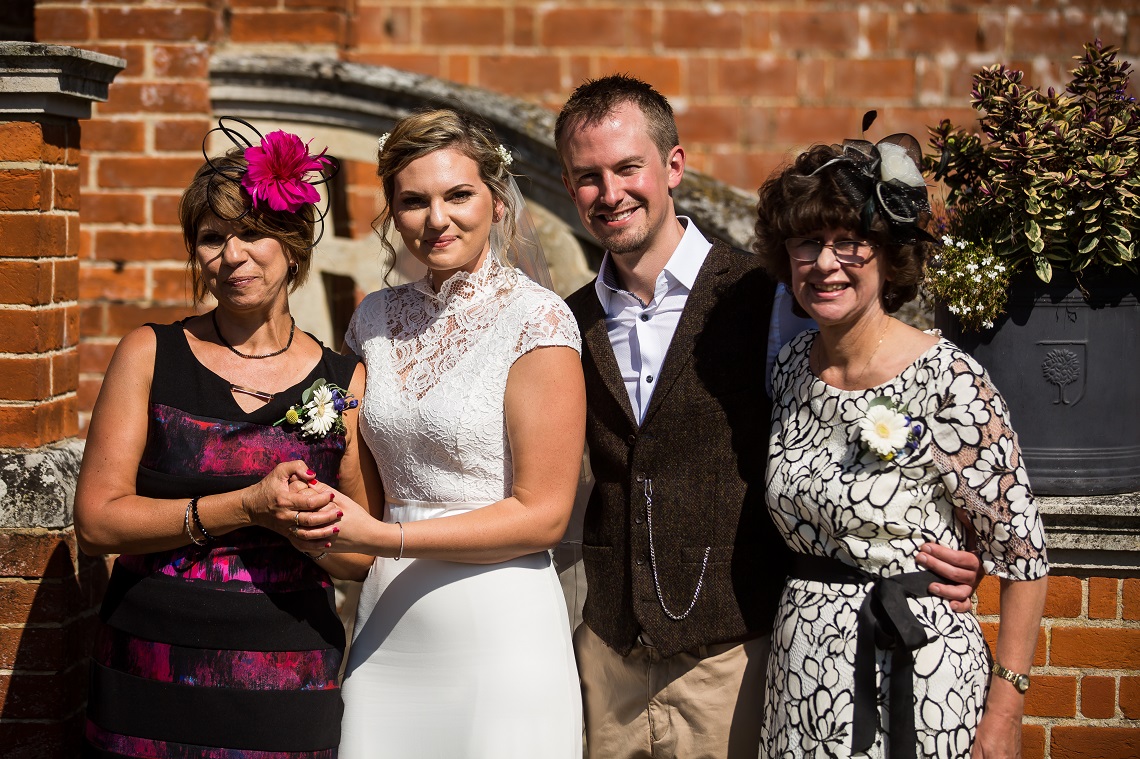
(193, 507)
(198, 522)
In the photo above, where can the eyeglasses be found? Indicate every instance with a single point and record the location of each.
(849, 252)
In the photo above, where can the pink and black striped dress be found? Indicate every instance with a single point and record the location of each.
(231, 650)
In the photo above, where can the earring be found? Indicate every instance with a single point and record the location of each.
(293, 268)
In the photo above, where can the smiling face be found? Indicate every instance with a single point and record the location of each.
(837, 294)
(444, 210)
(241, 267)
(620, 184)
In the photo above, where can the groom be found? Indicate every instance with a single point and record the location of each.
(684, 567)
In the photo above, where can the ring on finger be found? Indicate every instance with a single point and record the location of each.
(296, 519)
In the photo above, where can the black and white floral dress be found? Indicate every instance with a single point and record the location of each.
(831, 496)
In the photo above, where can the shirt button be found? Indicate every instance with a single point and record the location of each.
(649, 379)
(645, 317)
(640, 562)
(637, 520)
(640, 478)
(631, 440)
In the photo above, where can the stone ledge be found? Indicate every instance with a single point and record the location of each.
(37, 487)
(1090, 535)
(53, 80)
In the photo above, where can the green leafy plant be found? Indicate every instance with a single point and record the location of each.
(1053, 179)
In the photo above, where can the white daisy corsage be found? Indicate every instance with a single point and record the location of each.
(321, 410)
(888, 432)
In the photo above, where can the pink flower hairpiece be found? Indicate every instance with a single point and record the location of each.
(279, 170)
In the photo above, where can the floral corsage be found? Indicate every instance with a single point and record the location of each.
(321, 410)
(888, 432)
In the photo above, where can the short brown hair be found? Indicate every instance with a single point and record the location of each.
(425, 132)
(216, 189)
(596, 99)
(801, 199)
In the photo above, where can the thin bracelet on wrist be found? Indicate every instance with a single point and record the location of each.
(400, 555)
(192, 509)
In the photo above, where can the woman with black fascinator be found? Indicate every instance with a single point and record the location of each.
(218, 636)
(884, 438)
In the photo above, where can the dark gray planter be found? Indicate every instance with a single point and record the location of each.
(1070, 372)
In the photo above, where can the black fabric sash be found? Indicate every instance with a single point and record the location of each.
(885, 623)
(136, 706)
(173, 611)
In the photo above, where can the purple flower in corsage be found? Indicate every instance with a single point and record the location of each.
(278, 171)
(888, 432)
(321, 410)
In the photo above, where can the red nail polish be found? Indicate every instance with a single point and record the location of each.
(328, 545)
(310, 473)
(340, 514)
(312, 482)
(332, 497)
(336, 530)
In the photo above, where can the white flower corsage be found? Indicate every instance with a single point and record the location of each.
(321, 410)
(886, 431)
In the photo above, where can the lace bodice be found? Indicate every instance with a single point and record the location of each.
(437, 375)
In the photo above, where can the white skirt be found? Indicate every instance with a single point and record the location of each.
(458, 661)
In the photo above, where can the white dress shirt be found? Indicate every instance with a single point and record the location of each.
(640, 333)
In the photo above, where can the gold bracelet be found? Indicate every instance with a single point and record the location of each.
(400, 555)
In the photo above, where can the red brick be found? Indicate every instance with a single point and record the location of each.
(25, 379)
(157, 97)
(874, 80)
(522, 25)
(1080, 742)
(70, 24)
(134, 54)
(809, 31)
(450, 25)
(113, 208)
(1052, 696)
(32, 331)
(745, 170)
(459, 68)
(583, 27)
(156, 24)
(385, 25)
(1098, 697)
(25, 283)
(117, 172)
(61, 143)
(121, 319)
(22, 140)
(1047, 33)
(114, 135)
(757, 76)
(38, 553)
(1102, 597)
(758, 26)
(66, 283)
(73, 234)
(88, 393)
(804, 126)
(520, 74)
(332, 5)
(94, 357)
(1131, 598)
(709, 124)
(66, 189)
(25, 190)
(172, 285)
(93, 320)
(1064, 597)
(181, 61)
(38, 424)
(1032, 742)
(312, 28)
(137, 245)
(663, 73)
(1095, 647)
(989, 596)
(181, 134)
(164, 211)
(961, 32)
(64, 372)
(113, 283)
(1130, 697)
(430, 65)
(702, 29)
(29, 235)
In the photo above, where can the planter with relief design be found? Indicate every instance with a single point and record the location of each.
(1069, 369)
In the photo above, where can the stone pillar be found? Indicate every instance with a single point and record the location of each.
(48, 591)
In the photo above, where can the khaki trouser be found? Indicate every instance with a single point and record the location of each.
(706, 704)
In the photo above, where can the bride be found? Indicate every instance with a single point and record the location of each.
(474, 411)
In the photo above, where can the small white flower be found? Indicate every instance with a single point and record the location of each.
(971, 268)
(953, 309)
(961, 244)
(505, 155)
(321, 414)
(383, 139)
(883, 430)
(1069, 213)
(947, 240)
(1000, 267)
(977, 277)
(965, 309)
(988, 324)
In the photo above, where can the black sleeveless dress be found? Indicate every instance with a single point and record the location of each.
(230, 650)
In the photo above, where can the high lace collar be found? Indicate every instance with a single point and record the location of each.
(464, 288)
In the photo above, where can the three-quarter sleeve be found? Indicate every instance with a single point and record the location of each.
(977, 454)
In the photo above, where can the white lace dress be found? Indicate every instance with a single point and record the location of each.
(455, 660)
(831, 497)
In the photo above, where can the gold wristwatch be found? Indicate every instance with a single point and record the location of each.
(1020, 681)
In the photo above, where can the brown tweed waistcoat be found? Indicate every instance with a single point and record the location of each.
(703, 446)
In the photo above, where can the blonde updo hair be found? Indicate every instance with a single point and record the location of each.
(212, 192)
(425, 132)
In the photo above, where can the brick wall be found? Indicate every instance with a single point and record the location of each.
(1084, 700)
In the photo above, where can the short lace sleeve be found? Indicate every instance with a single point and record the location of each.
(546, 321)
(358, 330)
(977, 454)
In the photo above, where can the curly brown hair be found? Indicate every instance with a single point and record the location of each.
(798, 201)
(214, 190)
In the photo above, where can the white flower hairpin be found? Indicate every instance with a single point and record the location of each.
(504, 154)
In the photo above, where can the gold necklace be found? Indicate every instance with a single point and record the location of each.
(855, 381)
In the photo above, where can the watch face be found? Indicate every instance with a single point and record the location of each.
(1021, 682)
